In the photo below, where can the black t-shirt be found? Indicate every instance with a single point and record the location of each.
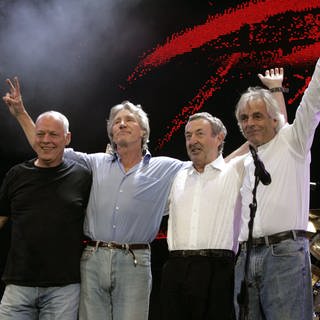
(47, 208)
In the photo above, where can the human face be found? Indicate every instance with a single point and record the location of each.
(256, 124)
(202, 146)
(126, 130)
(50, 141)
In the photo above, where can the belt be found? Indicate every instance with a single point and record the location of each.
(122, 246)
(115, 245)
(218, 253)
(278, 237)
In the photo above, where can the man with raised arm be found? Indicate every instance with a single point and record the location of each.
(46, 199)
(278, 279)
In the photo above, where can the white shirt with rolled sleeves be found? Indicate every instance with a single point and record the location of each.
(284, 204)
(203, 206)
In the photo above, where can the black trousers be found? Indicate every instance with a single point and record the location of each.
(198, 288)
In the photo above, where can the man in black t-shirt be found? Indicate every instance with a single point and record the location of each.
(45, 199)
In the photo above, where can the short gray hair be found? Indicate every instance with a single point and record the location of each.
(59, 116)
(142, 120)
(216, 125)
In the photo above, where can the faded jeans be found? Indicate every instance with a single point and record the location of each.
(44, 303)
(112, 287)
(279, 280)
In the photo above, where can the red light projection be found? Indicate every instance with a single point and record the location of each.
(256, 33)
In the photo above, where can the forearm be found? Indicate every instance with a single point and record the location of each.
(307, 115)
(28, 126)
(312, 92)
(282, 104)
(243, 149)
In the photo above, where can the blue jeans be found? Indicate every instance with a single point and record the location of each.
(31, 303)
(112, 287)
(279, 281)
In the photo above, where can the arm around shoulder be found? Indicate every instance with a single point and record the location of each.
(242, 150)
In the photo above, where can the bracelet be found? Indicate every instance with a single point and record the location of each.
(279, 89)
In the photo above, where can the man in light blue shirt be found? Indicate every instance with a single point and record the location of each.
(127, 201)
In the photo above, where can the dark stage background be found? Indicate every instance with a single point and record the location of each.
(174, 57)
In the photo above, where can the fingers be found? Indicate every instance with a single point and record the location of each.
(276, 72)
(10, 84)
(14, 92)
(17, 84)
(271, 72)
(7, 98)
(272, 77)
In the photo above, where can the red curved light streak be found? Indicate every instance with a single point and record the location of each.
(256, 14)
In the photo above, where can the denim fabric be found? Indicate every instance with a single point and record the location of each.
(33, 303)
(112, 287)
(279, 281)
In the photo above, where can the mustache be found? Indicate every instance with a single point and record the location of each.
(195, 146)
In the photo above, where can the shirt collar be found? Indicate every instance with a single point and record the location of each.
(146, 157)
(217, 164)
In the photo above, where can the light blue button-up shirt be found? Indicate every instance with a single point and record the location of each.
(126, 207)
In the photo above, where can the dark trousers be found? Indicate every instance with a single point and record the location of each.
(198, 288)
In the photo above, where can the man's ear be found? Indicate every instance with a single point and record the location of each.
(68, 138)
(220, 137)
(275, 124)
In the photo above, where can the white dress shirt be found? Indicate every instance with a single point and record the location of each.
(284, 204)
(202, 206)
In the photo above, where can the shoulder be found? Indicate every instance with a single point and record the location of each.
(21, 167)
(89, 160)
(162, 160)
(237, 164)
(76, 166)
(238, 160)
(18, 171)
(166, 165)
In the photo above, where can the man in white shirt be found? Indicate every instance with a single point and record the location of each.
(198, 278)
(278, 278)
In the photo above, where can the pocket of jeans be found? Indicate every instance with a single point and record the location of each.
(87, 253)
(143, 258)
(287, 248)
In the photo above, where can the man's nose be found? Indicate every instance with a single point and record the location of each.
(46, 137)
(122, 124)
(250, 121)
(192, 140)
